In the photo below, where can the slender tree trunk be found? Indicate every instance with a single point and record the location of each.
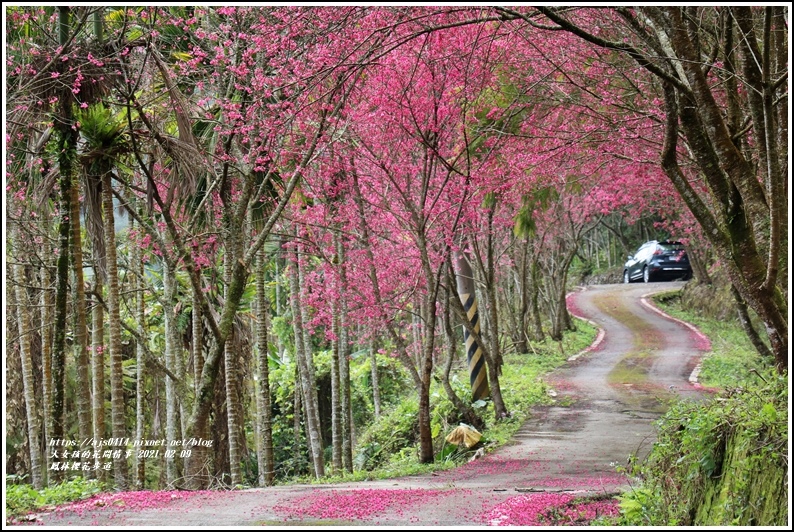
(494, 355)
(98, 378)
(537, 327)
(426, 454)
(344, 365)
(83, 391)
(265, 458)
(296, 419)
(373, 363)
(198, 339)
(67, 141)
(117, 400)
(336, 414)
(747, 325)
(47, 303)
(15, 411)
(28, 378)
(195, 464)
(232, 408)
(701, 272)
(140, 414)
(181, 374)
(520, 336)
(303, 357)
(171, 405)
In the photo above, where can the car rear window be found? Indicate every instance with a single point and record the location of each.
(669, 246)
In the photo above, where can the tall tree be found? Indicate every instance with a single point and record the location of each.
(67, 142)
(25, 331)
(264, 411)
(743, 207)
(303, 358)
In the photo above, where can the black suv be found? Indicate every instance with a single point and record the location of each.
(658, 260)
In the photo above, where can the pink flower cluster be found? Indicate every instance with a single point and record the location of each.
(548, 509)
(356, 504)
(128, 500)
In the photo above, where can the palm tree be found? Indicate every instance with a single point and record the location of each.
(105, 141)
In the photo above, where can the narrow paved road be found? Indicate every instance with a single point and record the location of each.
(606, 400)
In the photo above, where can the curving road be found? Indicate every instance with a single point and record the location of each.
(606, 399)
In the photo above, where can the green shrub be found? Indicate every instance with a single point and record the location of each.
(720, 463)
(23, 498)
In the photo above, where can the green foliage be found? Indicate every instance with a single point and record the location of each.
(391, 434)
(722, 462)
(524, 219)
(22, 498)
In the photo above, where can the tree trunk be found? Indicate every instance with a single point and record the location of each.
(171, 404)
(195, 465)
(83, 391)
(374, 375)
(117, 400)
(264, 423)
(67, 141)
(198, 339)
(47, 303)
(28, 378)
(537, 327)
(336, 414)
(747, 325)
(700, 270)
(494, 355)
(98, 378)
(140, 415)
(297, 456)
(344, 366)
(303, 358)
(426, 454)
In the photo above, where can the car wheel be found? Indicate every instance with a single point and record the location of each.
(646, 275)
(626, 278)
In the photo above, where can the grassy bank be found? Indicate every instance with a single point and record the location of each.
(723, 461)
(733, 360)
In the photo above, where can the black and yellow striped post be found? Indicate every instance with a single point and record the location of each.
(478, 373)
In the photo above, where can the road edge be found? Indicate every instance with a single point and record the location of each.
(601, 333)
(693, 377)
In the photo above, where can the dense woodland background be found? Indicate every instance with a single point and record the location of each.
(244, 225)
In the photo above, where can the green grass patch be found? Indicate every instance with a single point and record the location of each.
(632, 369)
(23, 498)
(644, 333)
(732, 357)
